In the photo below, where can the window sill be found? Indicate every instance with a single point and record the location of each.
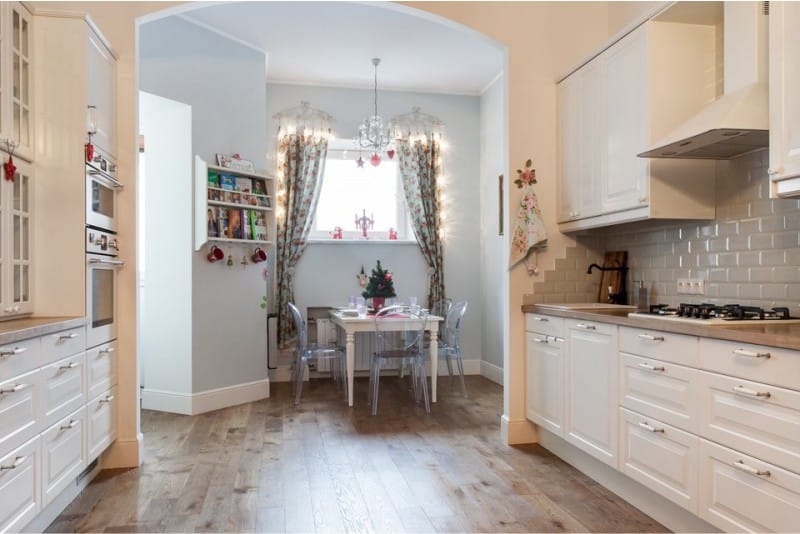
(360, 242)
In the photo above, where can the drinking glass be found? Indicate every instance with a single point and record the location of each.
(412, 301)
(351, 302)
(361, 306)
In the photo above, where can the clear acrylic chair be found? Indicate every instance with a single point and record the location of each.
(449, 345)
(405, 347)
(305, 351)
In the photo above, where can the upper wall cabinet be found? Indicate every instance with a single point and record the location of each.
(101, 89)
(784, 105)
(613, 108)
(16, 87)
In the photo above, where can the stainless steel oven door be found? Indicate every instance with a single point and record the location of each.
(101, 199)
(101, 298)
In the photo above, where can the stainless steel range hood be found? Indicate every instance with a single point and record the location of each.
(738, 121)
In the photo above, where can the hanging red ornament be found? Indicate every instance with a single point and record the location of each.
(390, 153)
(375, 160)
(89, 151)
(9, 168)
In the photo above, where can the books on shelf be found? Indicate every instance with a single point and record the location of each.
(232, 189)
(235, 223)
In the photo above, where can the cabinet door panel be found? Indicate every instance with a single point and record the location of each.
(545, 382)
(627, 175)
(63, 454)
(569, 146)
(101, 416)
(19, 414)
(101, 91)
(19, 487)
(784, 86)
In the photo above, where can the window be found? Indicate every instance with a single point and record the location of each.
(350, 192)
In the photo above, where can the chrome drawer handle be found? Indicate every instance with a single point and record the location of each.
(540, 340)
(18, 461)
(67, 336)
(13, 389)
(650, 337)
(108, 398)
(741, 390)
(752, 354)
(109, 350)
(71, 424)
(16, 350)
(741, 466)
(541, 319)
(558, 339)
(650, 428)
(659, 368)
(70, 365)
(586, 326)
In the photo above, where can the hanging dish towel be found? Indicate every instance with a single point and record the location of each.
(529, 232)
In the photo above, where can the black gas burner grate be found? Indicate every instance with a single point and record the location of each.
(728, 312)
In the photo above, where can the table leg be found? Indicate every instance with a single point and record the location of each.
(350, 347)
(434, 356)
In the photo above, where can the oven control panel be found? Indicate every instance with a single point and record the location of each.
(101, 242)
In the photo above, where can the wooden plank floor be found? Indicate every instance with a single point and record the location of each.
(268, 466)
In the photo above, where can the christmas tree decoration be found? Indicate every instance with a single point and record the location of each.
(375, 160)
(379, 287)
(9, 166)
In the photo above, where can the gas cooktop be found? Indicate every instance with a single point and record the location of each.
(713, 314)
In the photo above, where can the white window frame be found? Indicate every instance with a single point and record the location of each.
(350, 234)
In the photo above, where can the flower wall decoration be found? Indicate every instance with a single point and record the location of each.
(526, 176)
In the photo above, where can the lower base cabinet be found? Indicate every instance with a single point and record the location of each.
(740, 493)
(19, 487)
(101, 413)
(63, 454)
(660, 456)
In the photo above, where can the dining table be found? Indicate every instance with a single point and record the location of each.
(352, 324)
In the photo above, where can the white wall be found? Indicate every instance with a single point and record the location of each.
(493, 163)
(165, 297)
(326, 274)
(223, 81)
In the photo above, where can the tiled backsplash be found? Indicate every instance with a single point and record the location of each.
(750, 254)
(569, 281)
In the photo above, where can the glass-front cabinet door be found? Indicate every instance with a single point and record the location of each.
(16, 115)
(15, 243)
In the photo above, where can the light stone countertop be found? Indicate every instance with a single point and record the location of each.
(15, 330)
(770, 334)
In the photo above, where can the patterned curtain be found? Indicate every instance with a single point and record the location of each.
(419, 171)
(302, 161)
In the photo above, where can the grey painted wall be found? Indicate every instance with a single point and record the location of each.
(326, 273)
(224, 83)
(493, 163)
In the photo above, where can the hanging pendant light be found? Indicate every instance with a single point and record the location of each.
(372, 135)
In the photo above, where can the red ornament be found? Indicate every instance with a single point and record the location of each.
(387, 277)
(392, 234)
(337, 232)
(89, 151)
(9, 168)
(375, 160)
(390, 153)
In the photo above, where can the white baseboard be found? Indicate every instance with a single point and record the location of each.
(204, 401)
(124, 453)
(492, 372)
(662, 510)
(517, 432)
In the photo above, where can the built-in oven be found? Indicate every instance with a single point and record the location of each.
(101, 188)
(102, 264)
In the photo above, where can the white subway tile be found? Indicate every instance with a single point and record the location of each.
(762, 274)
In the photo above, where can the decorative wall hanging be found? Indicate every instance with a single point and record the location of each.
(416, 125)
(8, 167)
(529, 230)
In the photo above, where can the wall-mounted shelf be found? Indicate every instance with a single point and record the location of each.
(232, 206)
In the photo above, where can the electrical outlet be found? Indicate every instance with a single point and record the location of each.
(684, 287)
(691, 286)
(698, 287)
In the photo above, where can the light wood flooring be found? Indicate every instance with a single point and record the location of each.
(269, 466)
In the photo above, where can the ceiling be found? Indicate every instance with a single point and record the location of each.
(332, 43)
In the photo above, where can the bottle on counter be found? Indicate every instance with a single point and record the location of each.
(641, 296)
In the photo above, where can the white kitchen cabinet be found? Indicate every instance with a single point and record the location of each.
(591, 422)
(101, 415)
(63, 454)
(640, 88)
(16, 211)
(19, 410)
(660, 456)
(784, 107)
(16, 87)
(101, 88)
(20, 482)
(545, 381)
(739, 493)
(64, 388)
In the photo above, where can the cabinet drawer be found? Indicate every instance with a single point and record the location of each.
(739, 493)
(19, 487)
(63, 454)
(659, 389)
(18, 358)
(101, 415)
(769, 365)
(660, 456)
(63, 388)
(19, 399)
(665, 346)
(591, 326)
(544, 324)
(101, 368)
(63, 344)
(761, 420)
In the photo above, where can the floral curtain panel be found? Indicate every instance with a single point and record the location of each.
(419, 171)
(302, 159)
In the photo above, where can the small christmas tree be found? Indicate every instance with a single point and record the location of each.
(380, 283)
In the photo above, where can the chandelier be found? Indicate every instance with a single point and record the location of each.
(372, 135)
